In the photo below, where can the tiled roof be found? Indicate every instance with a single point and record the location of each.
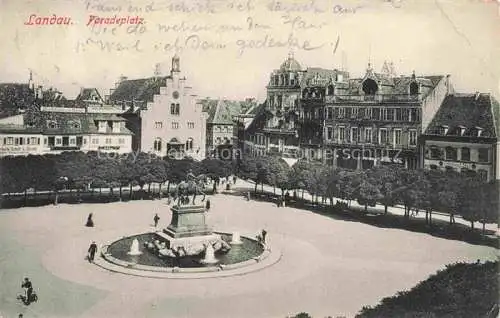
(397, 85)
(321, 73)
(89, 94)
(71, 123)
(469, 111)
(142, 89)
(10, 128)
(261, 114)
(223, 112)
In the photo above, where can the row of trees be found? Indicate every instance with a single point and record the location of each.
(388, 185)
(92, 170)
(416, 190)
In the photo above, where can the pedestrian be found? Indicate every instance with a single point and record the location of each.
(207, 206)
(156, 219)
(264, 233)
(294, 195)
(248, 196)
(92, 250)
(234, 179)
(28, 290)
(90, 222)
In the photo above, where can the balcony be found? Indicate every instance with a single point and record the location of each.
(282, 131)
(379, 98)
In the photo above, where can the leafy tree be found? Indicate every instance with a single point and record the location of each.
(368, 193)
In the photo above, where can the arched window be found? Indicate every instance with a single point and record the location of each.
(157, 144)
(189, 144)
(177, 109)
(413, 88)
(330, 90)
(370, 87)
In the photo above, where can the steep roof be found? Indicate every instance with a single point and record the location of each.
(397, 85)
(142, 89)
(223, 113)
(469, 111)
(89, 94)
(71, 123)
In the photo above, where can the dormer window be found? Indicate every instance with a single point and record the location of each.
(461, 130)
(116, 126)
(102, 126)
(74, 124)
(413, 88)
(444, 129)
(370, 87)
(52, 124)
(479, 131)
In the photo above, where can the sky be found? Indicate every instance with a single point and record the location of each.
(228, 48)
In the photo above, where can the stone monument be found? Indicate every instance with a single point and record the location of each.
(188, 232)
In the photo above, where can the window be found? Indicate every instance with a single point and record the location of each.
(451, 153)
(95, 141)
(116, 126)
(354, 113)
(483, 174)
(341, 112)
(483, 155)
(190, 125)
(72, 141)
(399, 114)
(413, 88)
(413, 138)
(383, 136)
(217, 141)
(376, 113)
(341, 134)
(51, 124)
(172, 109)
(368, 134)
(157, 144)
(329, 133)
(16, 141)
(108, 141)
(175, 125)
(51, 141)
(189, 144)
(10, 140)
(35, 141)
(329, 113)
(79, 140)
(58, 141)
(436, 153)
(397, 136)
(21, 141)
(383, 114)
(465, 154)
(102, 126)
(354, 134)
(370, 87)
(75, 124)
(390, 114)
(121, 141)
(158, 125)
(368, 113)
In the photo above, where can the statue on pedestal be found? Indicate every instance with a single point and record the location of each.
(193, 185)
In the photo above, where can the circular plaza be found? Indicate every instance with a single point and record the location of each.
(322, 265)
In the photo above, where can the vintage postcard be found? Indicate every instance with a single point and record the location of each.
(249, 158)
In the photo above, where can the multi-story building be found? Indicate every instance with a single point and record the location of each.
(463, 136)
(220, 129)
(379, 118)
(163, 114)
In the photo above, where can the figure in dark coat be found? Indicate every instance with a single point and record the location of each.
(208, 205)
(156, 219)
(90, 222)
(264, 233)
(92, 251)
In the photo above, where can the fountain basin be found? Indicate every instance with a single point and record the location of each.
(117, 252)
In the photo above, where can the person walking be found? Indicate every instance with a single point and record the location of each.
(28, 290)
(207, 206)
(92, 250)
(264, 233)
(156, 219)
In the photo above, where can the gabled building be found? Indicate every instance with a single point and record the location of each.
(163, 114)
(220, 128)
(463, 136)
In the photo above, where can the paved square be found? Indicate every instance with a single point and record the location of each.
(329, 267)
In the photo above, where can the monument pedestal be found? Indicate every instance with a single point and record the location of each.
(188, 230)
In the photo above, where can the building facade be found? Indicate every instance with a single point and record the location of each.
(463, 136)
(163, 114)
(220, 130)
